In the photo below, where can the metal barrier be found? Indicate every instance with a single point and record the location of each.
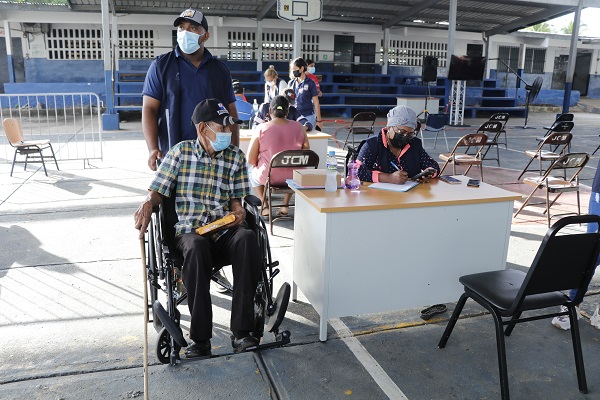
(71, 121)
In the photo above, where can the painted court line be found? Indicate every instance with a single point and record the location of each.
(373, 368)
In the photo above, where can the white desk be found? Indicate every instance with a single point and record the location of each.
(366, 251)
(317, 140)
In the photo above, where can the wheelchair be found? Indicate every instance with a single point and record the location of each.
(163, 267)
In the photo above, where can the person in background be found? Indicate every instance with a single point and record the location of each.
(269, 139)
(563, 322)
(307, 97)
(177, 81)
(264, 114)
(274, 86)
(395, 154)
(239, 90)
(311, 74)
(209, 179)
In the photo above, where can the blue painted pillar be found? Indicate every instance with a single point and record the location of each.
(9, 53)
(110, 118)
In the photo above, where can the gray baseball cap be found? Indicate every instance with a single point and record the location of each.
(402, 116)
(194, 16)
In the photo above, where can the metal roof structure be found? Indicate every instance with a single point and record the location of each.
(490, 17)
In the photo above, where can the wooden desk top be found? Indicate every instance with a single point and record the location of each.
(246, 134)
(431, 194)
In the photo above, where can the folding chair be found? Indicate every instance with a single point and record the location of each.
(362, 124)
(476, 140)
(563, 125)
(435, 123)
(286, 161)
(494, 128)
(560, 140)
(245, 112)
(552, 184)
(28, 148)
(502, 117)
(565, 260)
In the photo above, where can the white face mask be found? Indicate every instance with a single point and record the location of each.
(271, 84)
(311, 70)
(188, 41)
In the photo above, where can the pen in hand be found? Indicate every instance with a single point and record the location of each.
(395, 166)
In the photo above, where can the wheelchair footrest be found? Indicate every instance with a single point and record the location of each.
(171, 326)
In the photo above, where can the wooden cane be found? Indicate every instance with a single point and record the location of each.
(144, 274)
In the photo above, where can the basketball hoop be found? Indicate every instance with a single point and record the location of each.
(306, 10)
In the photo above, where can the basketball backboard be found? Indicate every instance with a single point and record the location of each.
(307, 10)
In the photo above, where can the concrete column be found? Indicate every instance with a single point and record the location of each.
(297, 38)
(9, 52)
(521, 65)
(259, 45)
(572, 58)
(386, 49)
(110, 118)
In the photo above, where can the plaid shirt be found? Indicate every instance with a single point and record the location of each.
(203, 186)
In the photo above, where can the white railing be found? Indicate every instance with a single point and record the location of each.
(71, 121)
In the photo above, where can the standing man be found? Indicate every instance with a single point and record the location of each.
(177, 81)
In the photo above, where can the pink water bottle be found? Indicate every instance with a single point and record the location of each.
(352, 181)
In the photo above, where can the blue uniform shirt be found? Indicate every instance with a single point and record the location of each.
(180, 86)
(305, 91)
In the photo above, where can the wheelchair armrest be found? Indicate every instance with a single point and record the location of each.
(253, 200)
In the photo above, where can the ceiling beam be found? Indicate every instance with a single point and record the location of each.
(263, 12)
(411, 11)
(529, 21)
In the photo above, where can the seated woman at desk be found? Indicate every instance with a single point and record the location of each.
(264, 115)
(396, 154)
(269, 139)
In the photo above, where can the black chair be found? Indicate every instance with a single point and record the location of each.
(362, 124)
(435, 123)
(502, 117)
(564, 123)
(163, 266)
(565, 260)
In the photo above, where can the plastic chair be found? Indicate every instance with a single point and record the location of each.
(245, 111)
(362, 124)
(435, 123)
(290, 160)
(556, 139)
(476, 140)
(565, 260)
(502, 117)
(553, 184)
(31, 149)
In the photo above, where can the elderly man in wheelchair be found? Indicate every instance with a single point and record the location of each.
(207, 179)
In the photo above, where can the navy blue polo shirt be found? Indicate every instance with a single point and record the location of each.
(305, 91)
(196, 84)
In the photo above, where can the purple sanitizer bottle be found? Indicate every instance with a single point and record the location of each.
(352, 181)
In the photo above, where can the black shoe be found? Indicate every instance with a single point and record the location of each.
(198, 349)
(240, 345)
(432, 311)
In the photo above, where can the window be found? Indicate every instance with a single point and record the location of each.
(86, 44)
(535, 59)
(277, 46)
(310, 47)
(241, 45)
(410, 52)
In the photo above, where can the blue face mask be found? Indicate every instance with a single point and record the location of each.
(222, 142)
(188, 41)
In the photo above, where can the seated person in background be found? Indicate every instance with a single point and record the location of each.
(239, 90)
(264, 115)
(209, 179)
(395, 155)
(274, 85)
(310, 72)
(269, 139)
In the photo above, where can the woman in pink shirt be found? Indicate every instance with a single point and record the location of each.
(269, 139)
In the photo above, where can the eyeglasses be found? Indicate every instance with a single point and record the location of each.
(402, 132)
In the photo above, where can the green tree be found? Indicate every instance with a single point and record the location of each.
(568, 29)
(541, 27)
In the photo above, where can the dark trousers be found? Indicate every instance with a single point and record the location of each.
(239, 247)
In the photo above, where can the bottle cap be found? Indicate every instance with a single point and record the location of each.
(332, 152)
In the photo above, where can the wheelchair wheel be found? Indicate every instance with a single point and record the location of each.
(163, 347)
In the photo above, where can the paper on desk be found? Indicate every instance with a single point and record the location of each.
(394, 187)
